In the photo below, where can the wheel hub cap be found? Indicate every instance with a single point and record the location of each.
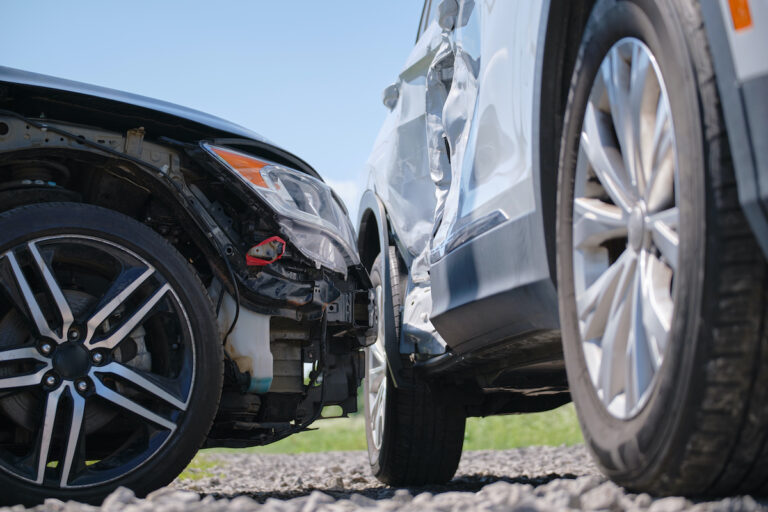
(71, 361)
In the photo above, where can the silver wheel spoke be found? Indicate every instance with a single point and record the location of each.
(595, 222)
(378, 366)
(595, 304)
(377, 414)
(640, 369)
(51, 407)
(614, 339)
(31, 302)
(644, 96)
(31, 379)
(121, 401)
(125, 290)
(660, 190)
(20, 354)
(131, 323)
(75, 428)
(376, 375)
(53, 287)
(605, 160)
(140, 381)
(21, 381)
(663, 231)
(616, 74)
(656, 280)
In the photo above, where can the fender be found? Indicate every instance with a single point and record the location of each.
(744, 105)
(372, 206)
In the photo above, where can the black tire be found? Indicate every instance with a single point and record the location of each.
(703, 429)
(178, 350)
(423, 431)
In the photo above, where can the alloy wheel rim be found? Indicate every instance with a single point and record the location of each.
(625, 228)
(81, 369)
(376, 374)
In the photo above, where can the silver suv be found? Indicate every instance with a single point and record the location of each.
(580, 188)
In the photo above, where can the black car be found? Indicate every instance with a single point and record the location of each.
(168, 280)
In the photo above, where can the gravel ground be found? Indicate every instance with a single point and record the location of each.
(527, 479)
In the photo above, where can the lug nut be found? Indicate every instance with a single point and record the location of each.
(82, 386)
(97, 357)
(46, 348)
(50, 380)
(73, 334)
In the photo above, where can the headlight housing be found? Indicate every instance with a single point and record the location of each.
(313, 219)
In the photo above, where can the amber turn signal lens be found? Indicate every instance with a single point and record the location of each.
(248, 167)
(742, 18)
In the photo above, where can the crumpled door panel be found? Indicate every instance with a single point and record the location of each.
(458, 108)
(492, 180)
(398, 167)
(451, 90)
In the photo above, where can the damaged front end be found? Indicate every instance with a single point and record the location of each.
(293, 344)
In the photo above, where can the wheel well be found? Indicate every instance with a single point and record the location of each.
(566, 22)
(368, 239)
(55, 176)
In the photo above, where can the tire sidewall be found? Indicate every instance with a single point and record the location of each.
(21, 224)
(632, 451)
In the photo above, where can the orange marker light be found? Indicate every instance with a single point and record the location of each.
(249, 168)
(742, 18)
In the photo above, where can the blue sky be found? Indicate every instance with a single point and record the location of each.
(306, 74)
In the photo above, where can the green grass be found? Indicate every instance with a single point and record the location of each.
(551, 428)
(198, 468)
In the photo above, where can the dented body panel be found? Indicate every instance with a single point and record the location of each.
(467, 181)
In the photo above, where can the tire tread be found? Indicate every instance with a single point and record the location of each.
(425, 446)
(732, 419)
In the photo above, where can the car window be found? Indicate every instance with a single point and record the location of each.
(428, 14)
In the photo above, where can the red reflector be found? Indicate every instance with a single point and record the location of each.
(266, 252)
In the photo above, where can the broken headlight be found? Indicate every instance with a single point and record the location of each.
(311, 216)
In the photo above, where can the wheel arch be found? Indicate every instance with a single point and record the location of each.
(373, 237)
(137, 187)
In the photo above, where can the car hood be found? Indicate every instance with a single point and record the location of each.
(18, 76)
(34, 94)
